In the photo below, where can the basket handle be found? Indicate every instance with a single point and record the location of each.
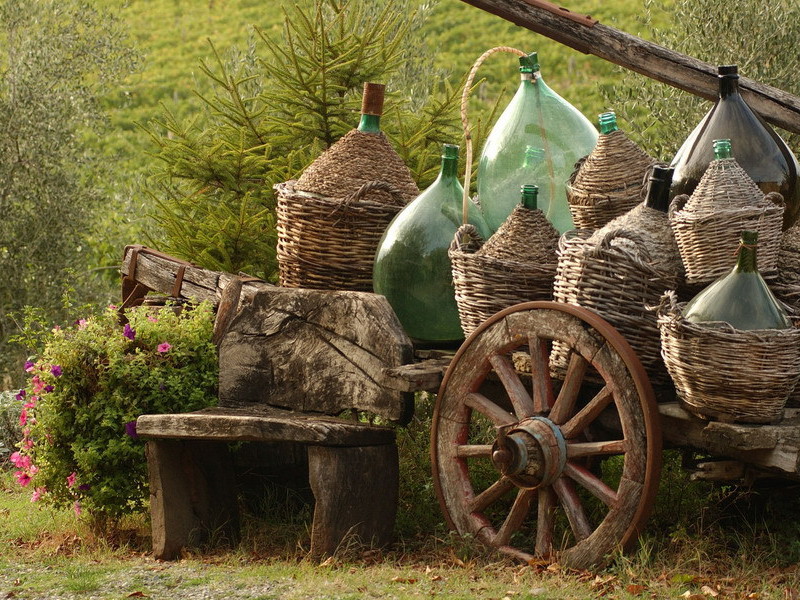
(678, 202)
(605, 242)
(776, 198)
(370, 186)
(466, 240)
(465, 122)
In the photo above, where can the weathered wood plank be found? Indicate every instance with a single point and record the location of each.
(245, 424)
(356, 493)
(423, 376)
(650, 59)
(316, 351)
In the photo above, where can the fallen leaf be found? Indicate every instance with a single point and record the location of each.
(753, 596)
(17, 582)
(436, 577)
(709, 591)
(328, 562)
(137, 595)
(635, 589)
(404, 579)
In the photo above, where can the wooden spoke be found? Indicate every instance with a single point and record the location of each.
(588, 413)
(568, 497)
(491, 494)
(579, 449)
(540, 374)
(564, 405)
(473, 450)
(489, 409)
(545, 521)
(516, 516)
(520, 399)
(593, 484)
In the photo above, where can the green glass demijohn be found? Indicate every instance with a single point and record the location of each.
(741, 298)
(412, 268)
(536, 118)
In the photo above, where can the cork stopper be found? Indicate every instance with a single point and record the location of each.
(372, 101)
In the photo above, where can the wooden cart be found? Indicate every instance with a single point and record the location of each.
(540, 462)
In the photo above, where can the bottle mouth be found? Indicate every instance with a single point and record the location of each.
(529, 63)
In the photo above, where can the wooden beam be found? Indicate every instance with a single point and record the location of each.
(673, 68)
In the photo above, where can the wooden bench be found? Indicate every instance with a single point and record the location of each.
(290, 361)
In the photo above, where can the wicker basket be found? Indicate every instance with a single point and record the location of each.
(608, 182)
(787, 284)
(728, 374)
(615, 277)
(330, 243)
(708, 225)
(517, 264)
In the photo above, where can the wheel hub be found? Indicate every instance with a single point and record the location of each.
(531, 453)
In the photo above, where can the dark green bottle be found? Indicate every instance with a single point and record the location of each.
(412, 268)
(740, 298)
(372, 107)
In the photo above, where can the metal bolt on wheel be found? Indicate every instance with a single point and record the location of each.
(524, 466)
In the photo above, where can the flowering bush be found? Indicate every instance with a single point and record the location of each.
(93, 379)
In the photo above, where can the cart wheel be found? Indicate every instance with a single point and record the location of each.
(519, 466)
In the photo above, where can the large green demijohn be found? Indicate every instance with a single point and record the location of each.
(412, 268)
(540, 124)
(760, 151)
(741, 298)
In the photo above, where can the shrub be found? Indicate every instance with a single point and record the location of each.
(10, 431)
(86, 390)
(274, 107)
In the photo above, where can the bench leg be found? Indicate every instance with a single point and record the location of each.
(192, 495)
(355, 492)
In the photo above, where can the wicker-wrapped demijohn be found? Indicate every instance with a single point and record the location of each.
(621, 271)
(610, 180)
(516, 264)
(332, 217)
(732, 351)
(726, 202)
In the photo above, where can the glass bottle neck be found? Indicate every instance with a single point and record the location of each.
(529, 200)
(728, 85)
(658, 195)
(746, 262)
(449, 168)
(370, 123)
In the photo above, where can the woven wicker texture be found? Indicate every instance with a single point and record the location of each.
(615, 277)
(517, 264)
(357, 158)
(787, 283)
(728, 374)
(608, 182)
(330, 243)
(708, 225)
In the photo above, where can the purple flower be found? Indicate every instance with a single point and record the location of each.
(84, 487)
(128, 331)
(56, 370)
(130, 429)
(48, 388)
(20, 395)
(29, 364)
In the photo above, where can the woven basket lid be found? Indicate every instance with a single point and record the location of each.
(616, 163)
(526, 236)
(355, 159)
(724, 186)
(655, 233)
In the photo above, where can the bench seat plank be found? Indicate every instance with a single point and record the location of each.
(262, 423)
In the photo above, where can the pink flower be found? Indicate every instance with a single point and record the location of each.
(27, 443)
(38, 384)
(22, 478)
(23, 418)
(71, 479)
(38, 493)
(21, 461)
(152, 319)
(33, 470)
(164, 347)
(77, 507)
(81, 323)
(32, 403)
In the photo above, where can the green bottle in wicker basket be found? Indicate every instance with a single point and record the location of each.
(741, 298)
(412, 268)
(536, 117)
(760, 151)
(332, 217)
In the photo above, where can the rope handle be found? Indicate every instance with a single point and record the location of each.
(642, 255)
(677, 204)
(466, 240)
(465, 121)
(381, 186)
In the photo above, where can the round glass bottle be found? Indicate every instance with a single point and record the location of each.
(536, 117)
(412, 268)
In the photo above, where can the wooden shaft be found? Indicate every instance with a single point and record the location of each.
(657, 62)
